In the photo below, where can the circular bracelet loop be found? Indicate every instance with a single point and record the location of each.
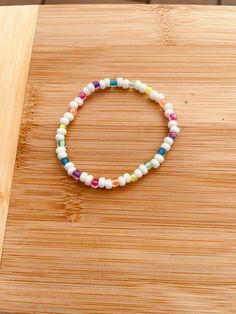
(142, 169)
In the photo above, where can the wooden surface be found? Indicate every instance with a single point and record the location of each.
(17, 36)
(165, 244)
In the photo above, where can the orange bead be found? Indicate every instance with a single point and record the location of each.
(162, 102)
(115, 183)
(73, 111)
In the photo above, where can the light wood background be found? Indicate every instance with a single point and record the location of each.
(165, 244)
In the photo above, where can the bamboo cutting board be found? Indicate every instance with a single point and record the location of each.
(163, 245)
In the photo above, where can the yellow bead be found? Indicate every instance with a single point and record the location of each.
(63, 126)
(148, 90)
(133, 177)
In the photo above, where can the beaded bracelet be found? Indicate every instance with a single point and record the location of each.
(142, 169)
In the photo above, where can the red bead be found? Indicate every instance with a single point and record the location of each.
(94, 183)
(82, 95)
(173, 116)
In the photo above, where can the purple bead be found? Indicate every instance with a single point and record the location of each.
(76, 174)
(96, 84)
(172, 135)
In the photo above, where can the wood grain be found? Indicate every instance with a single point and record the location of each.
(94, 1)
(165, 244)
(193, 2)
(14, 37)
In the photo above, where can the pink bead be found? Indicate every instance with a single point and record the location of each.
(94, 183)
(82, 95)
(173, 116)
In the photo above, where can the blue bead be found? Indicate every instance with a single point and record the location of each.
(64, 161)
(113, 82)
(161, 151)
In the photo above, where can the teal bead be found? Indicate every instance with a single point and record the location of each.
(161, 151)
(113, 82)
(64, 161)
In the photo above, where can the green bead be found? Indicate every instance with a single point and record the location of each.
(131, 84)
(62, 143)
(148, 165)
(133, 177)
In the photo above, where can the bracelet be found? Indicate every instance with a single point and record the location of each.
(142, 169)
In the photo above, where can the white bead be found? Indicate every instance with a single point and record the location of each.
(60, 137)
(172, 123)
(79, 101)
(168, 140)
(69, 116)
(127, 178)
(86, 90)
(102, 84)
(143, 169)
(71, 170)
(159, 97)
(61, 131)
(83, 176)
(62, 155)
(168, 112)
(73, 104)
(108, 184)
(107, 82)
(137, 84)
(102, 182)
(165, 146)
(88, 179)
(121, 181)
(159, 158)
(64, 120)
(168, 106)
(60, 149)
(68, 165)
(155, 163)
(125, 84)
(120, 81)
(138, 173)
(153, 95)
(142, 88)
(175, 129)
(91, 87)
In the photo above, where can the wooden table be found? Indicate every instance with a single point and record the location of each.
(163, 245)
